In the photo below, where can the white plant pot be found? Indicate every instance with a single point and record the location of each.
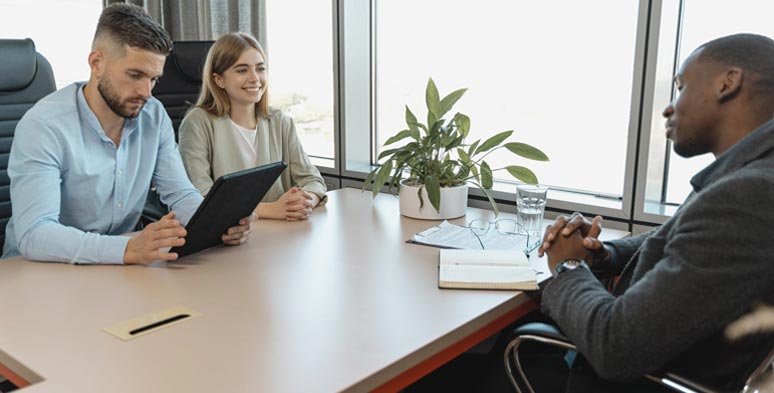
(454, 201)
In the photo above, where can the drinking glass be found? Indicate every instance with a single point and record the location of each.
(530, 207)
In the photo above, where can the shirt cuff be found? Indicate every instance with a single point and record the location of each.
(323, 198)
(112, 249)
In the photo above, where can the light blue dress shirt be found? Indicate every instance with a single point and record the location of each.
(74, 193)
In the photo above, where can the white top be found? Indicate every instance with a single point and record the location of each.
(247, 149)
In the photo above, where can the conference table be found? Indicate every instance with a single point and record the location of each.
(339, 302)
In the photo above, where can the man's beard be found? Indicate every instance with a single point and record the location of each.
(113, 101)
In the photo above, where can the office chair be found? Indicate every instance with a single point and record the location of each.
(179, 87)
(550, 335)
(26, 78)
(178, 90)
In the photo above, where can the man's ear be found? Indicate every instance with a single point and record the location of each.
(96, 62)
(732, 83)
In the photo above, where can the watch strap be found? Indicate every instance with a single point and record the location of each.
(570, 264)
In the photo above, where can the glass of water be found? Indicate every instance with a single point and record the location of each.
(530, 206)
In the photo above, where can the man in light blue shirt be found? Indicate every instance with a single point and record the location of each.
(83, 158)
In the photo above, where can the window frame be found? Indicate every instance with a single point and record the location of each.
(665, 27)
(327, 166)
(358, 149)
(642, 204)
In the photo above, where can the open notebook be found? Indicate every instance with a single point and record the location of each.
(485, 269)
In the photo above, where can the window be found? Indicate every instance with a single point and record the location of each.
(300, 59)
(558, 73)
(700, 24)
(62, 31)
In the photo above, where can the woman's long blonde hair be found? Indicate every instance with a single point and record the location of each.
(223, 54)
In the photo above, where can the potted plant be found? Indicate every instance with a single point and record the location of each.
(440, 163)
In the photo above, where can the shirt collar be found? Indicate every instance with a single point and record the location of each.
(90, 119)
(748, 149)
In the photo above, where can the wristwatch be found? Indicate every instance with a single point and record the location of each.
(570, 264)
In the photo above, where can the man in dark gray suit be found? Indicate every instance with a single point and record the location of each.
(683, 282)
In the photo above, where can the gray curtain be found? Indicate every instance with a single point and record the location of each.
(191, 20)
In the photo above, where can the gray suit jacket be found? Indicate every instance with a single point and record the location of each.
(683, 282)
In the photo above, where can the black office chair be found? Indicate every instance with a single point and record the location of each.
(26, 78)
(178, 90)
(179, 87)
(544, 333)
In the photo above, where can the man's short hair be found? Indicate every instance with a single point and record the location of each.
(130, 25)
(753, 53)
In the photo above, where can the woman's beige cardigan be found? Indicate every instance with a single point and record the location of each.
(210, 149)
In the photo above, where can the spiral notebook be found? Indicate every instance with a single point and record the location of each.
(485, 269)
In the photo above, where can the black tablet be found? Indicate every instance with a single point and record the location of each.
(231, 198)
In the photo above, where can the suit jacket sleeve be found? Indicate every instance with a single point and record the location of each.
(621, 251)
(703, 281)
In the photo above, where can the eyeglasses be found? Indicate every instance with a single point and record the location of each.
(504, 226)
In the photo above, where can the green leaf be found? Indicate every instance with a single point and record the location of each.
(491, 200)
(473, 147)
(448, 102)
(432, 100)
(436, 127)
(464, 157)
(419, 195)
(522, 173)
(394, 183)
(476, 176)
(463, 124)
(433, 192)
(403, 155)
(399, 136)
(526, 151)
(486, 175)
(369, 178)
(431, 121)
(411, 121)
(455, 142)
(381, 177)
(446, 139)
(387, 153)
(493, 141)
(411, 146)
(463, 173)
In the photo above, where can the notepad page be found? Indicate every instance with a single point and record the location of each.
(486, 273)
(483, 257)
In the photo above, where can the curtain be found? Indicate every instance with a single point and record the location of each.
(192, 20)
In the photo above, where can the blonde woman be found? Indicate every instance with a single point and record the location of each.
(232, 128)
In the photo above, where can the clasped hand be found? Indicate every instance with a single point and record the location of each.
(157, 238)
(296, 204)
(574, 237)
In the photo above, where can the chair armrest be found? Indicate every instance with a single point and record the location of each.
(551, 335)
(540, 329)
(537, 332)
